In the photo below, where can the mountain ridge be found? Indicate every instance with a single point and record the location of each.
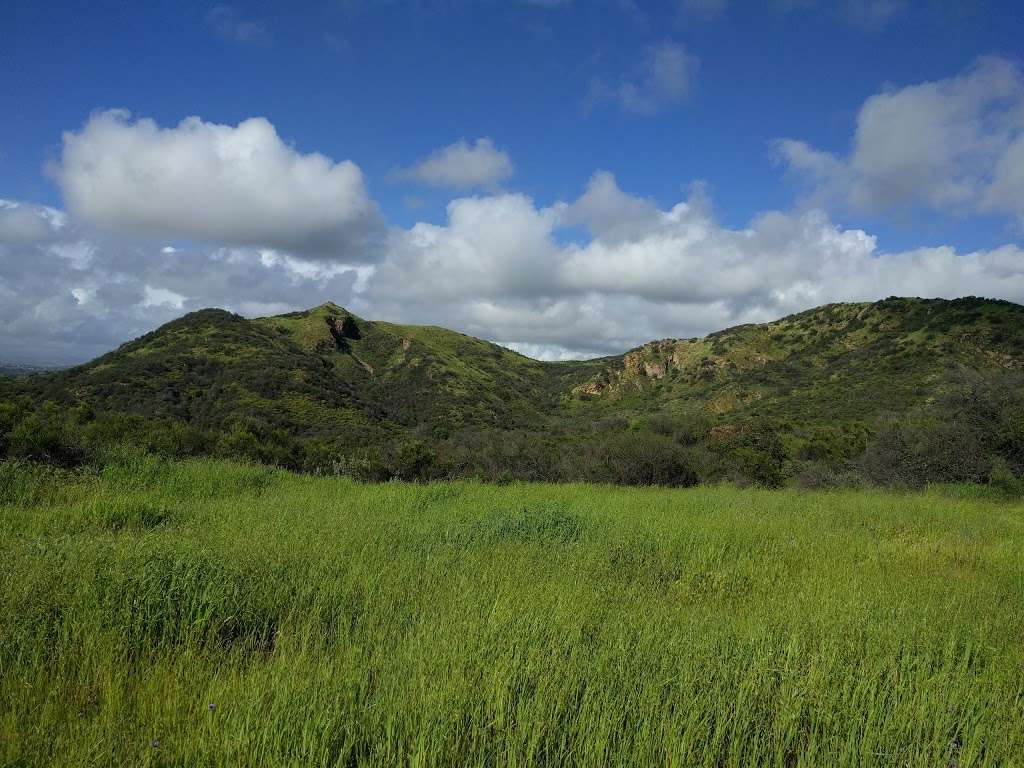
(327, 381)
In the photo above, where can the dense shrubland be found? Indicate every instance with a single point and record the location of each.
(898, 393)
(972, 432)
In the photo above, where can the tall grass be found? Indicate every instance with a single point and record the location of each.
(206, 613)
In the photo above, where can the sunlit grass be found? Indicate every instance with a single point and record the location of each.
(208, 613)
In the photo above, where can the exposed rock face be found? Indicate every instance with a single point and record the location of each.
(594, 387)
(654, 370)
(651, 362)
(336, 334)
(341, 332)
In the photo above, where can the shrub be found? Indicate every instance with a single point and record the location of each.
(752, 454)
(639, 458)
(48, 435)
(503, 455)
(692, 427)
(1003, 480)
(754, 466)
(611, 424)
(368, 466)
(412, 461)
(661, 424)
(238, 443)
(818, 475)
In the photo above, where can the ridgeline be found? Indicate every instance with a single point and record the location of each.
(324, 390)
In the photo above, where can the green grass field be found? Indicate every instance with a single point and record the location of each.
(207, 613)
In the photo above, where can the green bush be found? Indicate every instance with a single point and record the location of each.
(48, 435)
(639, 458)
(412, 461)
(1004, 481)
(369, 466)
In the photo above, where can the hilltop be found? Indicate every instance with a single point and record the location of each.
(850, 360)
(325, 388)
(426, 374)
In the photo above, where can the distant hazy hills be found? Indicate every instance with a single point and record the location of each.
(17, 370)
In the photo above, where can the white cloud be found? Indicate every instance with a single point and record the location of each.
(663, 78)
(1006, 192)
(25, 224)
(497, 270)
(70, 294)
(610, 214)
(954, 145)
(871, 15)
(155, 297)
(500, 267)
(492, 246)
(201, 181)
(461, 166)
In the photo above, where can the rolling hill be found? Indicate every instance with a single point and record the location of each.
(425, 375)
(839, 361)
(332, 380)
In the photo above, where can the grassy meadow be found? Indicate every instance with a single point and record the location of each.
(207, 613)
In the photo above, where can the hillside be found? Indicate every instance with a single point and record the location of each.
(424, 375)
(322, 387)
(839, 361)
(211, 369)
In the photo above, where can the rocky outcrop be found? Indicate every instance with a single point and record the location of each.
(343, 331)
(650, 363)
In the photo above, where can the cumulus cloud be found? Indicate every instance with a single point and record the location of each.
(68, 294)
(239, 185)
(461, 166)
(26, 224)
(609, 213)
(499, 267)
(954, 145)
(663, 78)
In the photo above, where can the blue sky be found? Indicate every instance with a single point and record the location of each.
(661, 95)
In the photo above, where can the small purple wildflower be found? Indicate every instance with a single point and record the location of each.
(156, 743)
(213, 707)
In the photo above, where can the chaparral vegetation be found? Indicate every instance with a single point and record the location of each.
(898, 393)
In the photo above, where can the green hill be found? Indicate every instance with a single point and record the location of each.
(327, 390)
(423, 375)
(209, 368)
(839, 361)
